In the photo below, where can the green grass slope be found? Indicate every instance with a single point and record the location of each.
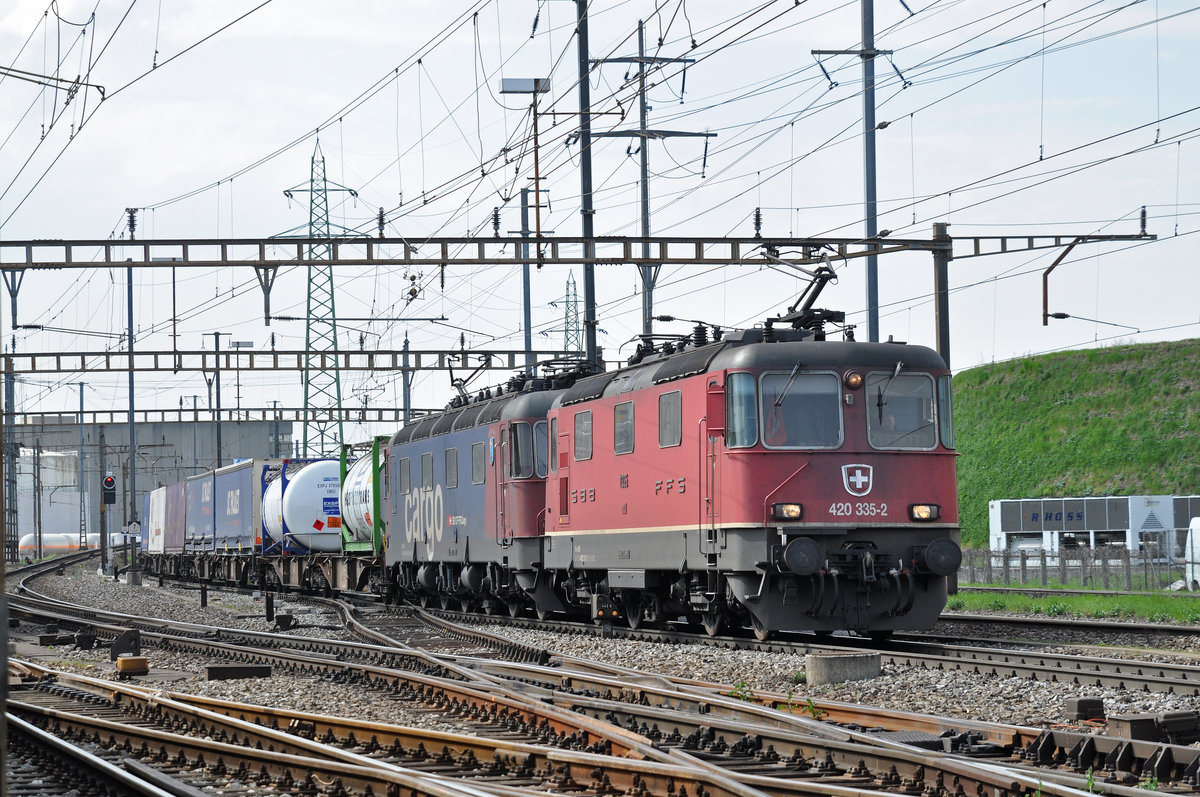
(1116, 421)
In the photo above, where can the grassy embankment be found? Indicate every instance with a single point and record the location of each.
(1169, 608)
(1117, 421)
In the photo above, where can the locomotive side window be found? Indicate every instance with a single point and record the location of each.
(741, 411)
(553, 445)
(946, 406)
(583, 435)
(427, 471)
(801, 410)
(541, 449)
(478, 463)
(451, 468)
(900, 411)
(404, 477)
(522, 451)
(623, 428)
(670, 419)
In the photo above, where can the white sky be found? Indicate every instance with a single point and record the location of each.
(1021, 118)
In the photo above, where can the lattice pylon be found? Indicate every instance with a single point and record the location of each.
(322, 380)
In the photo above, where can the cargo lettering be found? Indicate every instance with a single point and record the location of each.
(424, 518)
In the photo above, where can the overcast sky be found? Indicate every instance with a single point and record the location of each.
(1002, 118)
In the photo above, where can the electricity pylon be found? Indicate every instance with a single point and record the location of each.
(322, 381)
(572, 330)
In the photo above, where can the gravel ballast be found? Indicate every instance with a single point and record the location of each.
(947, 693)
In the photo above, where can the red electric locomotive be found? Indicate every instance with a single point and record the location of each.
(770, 478)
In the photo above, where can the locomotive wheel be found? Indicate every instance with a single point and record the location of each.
(713, 621)
(425, 600)
(515, 608)
(490, 608)
(447, 601)
(541, 613)
(761, 632)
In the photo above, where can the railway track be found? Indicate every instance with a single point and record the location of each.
(726, 744)
(1081, 625)
(911, 652)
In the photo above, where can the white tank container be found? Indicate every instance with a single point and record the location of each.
(52, 544)
(307, 508)
(358, 500)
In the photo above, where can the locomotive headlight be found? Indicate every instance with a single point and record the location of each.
(924, 512)
(853, 380)
(787, 511)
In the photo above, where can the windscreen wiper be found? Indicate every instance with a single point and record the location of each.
(787, 385)
(879, 401)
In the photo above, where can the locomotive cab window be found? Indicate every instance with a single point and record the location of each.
(521, 451)
(946, 410)
(451, 468)
(583, 435)
(403, 477)
(741, 411)
(541, 449)
(901, 411)
(670, 419)
(478, 463)
(427, 471)
(623, 428)
(801, 410)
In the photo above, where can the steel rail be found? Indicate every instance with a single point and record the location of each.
(281, 767)
(325, 737)
(1057, 668)
(95, 769)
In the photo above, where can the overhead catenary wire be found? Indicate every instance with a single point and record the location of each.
(466, 202)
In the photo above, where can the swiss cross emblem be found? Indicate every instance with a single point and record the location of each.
(857, 479)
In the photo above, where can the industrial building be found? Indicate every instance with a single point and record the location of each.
(53, 494)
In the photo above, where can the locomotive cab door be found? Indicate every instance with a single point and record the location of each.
(564, 477)
(504, 476)
(712, 433)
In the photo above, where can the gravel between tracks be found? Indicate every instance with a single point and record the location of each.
(956, 694)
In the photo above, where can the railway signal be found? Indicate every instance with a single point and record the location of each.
(109, 494)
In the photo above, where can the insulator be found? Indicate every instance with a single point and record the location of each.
(758, 222)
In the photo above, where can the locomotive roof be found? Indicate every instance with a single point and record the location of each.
(743, 349)
(828, 354)
(531, 403)
(747, 349)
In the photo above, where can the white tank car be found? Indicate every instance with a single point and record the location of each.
(358, 500)
(57, 544)
(307, 510)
